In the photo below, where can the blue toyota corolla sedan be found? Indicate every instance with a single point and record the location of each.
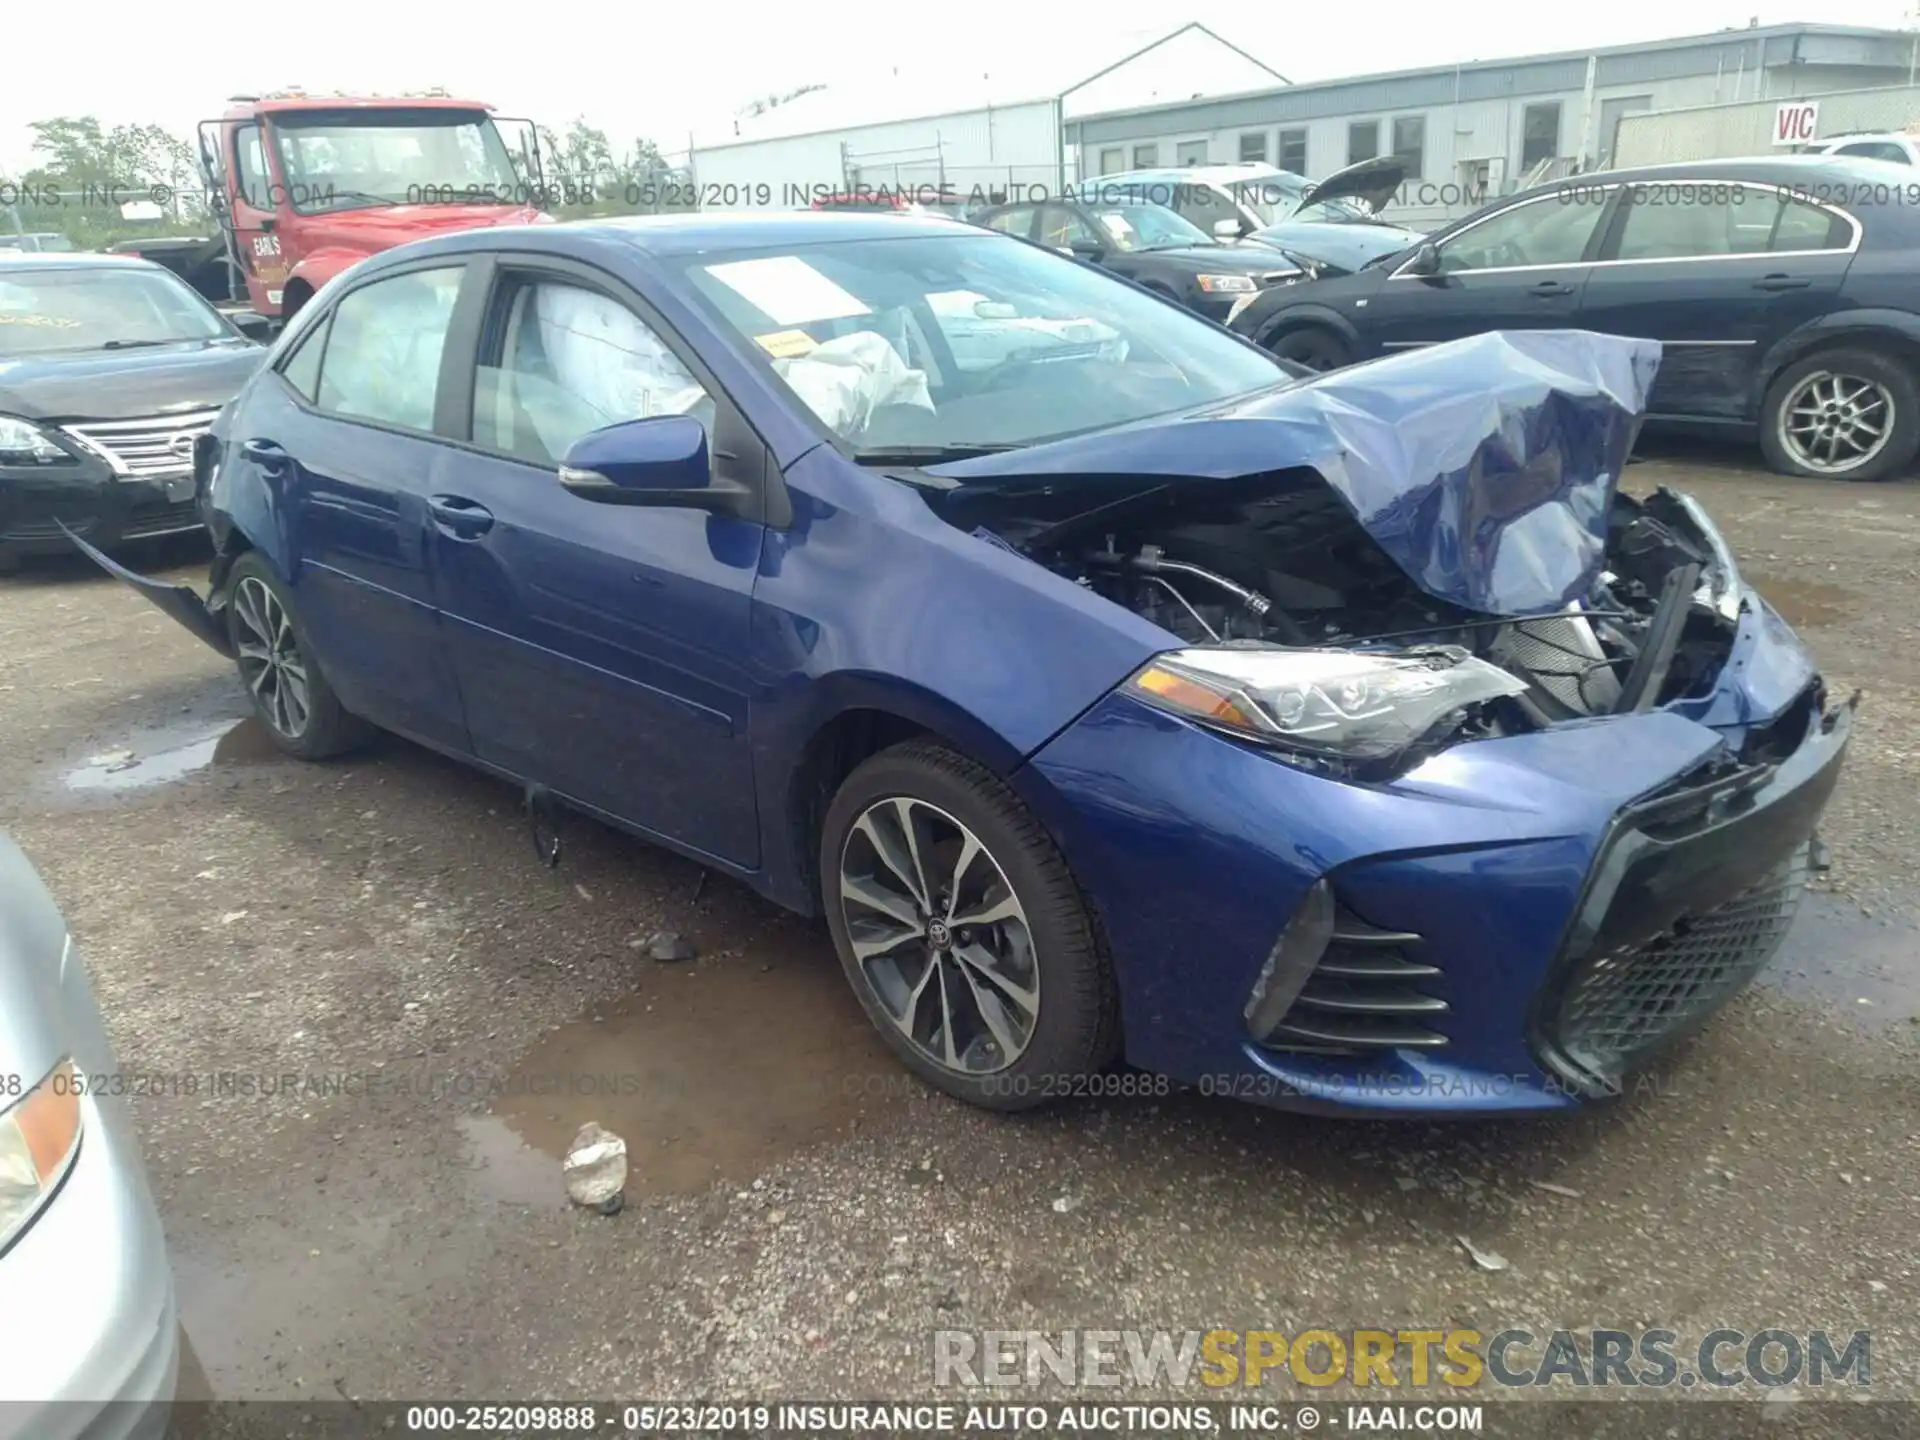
(1113, 689)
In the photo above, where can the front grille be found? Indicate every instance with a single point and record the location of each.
(1367, 993)
(155, 448)
(1621, 1004)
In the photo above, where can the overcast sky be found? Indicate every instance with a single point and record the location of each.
(667, 69)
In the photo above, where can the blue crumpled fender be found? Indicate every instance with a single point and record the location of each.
(1484, 467)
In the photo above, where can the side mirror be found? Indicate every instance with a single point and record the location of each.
(1425, 260)
(1091, 250)
(1228, 229)
(659, 461)
(253, 325)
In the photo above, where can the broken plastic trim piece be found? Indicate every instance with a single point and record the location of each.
(179, 602)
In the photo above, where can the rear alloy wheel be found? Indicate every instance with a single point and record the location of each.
(1842, 415)
(290, 696)
(1313, 346)
(962, 932)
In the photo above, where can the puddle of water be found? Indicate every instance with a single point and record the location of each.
(712, 1072)
(160, 757)
(507, 1169)
(1809, 603)
(1836, 953)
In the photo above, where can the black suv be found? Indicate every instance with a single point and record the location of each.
(1785, 293)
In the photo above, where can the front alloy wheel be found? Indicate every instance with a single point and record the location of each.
(271, 664)
(939, 935)
(962, 932)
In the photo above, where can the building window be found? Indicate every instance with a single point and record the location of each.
(1113, 160)
(1410, 143)
(1145, 157)
(1190, 152)
(1539, 133)
(1293, 151)
(1363, 141)
(1253, 146)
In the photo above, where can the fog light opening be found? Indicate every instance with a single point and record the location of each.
(1295, 953)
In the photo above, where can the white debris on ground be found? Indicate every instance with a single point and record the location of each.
(595, 1166)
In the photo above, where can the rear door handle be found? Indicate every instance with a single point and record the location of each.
(1780, 282)
(460, 517)
(267, 455)
(1550, 289)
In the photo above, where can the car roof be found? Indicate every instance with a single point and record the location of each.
(1787, 170)
(18, 260)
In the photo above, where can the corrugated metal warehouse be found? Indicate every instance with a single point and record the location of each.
(978, 136)
(1485, 127)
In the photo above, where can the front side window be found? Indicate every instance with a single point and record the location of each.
(302, 369)
(1542, 232)
(965, 340)
(1061, 226)
(382, 361)
(103, 307)
(571, 361)
(250, 168)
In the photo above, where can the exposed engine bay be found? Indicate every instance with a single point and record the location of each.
(1279, 559)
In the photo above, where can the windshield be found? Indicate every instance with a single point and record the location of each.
(44, 312)
(336, 160)
(965, 342)
(1147, 227)
(1272, 197)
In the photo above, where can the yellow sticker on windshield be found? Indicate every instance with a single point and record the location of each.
(787, 344)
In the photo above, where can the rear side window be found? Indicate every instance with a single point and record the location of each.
(1807, 227)
(383, 356)
(1877, 150)
(1731, 220)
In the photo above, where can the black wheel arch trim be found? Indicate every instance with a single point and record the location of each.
(1301, 317)
(1863, 328)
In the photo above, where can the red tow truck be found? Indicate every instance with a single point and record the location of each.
(306, 185)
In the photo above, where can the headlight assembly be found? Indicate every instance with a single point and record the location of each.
(24, 443)
(39, 1136)
(1343, 704)
(1226, 284)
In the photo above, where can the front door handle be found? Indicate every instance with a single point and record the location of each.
(1551, 289)
(1780, 282)
(460, 517)
(267, 455)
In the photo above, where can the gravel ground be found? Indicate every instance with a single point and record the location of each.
(801, 1216)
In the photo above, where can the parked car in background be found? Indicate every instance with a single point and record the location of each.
(1150, 245)
(882, 202)
(1901, 149)
(39, 242)
(1785, 293)
(1130, 690)
(1328, 229)
(78, 1228)
(110, 368)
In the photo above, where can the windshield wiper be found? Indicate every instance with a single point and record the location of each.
(133, 344)
(926, 454)
(364, 196)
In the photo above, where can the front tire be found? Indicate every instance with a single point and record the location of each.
(1313, 346)
(289, 694)
(962, 931)
(1844, 414)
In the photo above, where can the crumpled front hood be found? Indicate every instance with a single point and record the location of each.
(1483, 467)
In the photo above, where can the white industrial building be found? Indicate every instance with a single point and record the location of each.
(978, 136)
(1486, 127)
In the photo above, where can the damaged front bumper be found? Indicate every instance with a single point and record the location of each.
(1522, 922)
(181, 602)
